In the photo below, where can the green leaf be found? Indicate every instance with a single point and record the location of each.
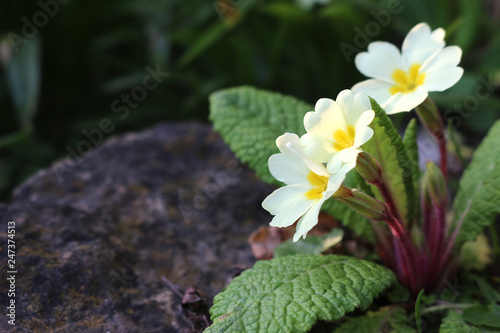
(417, 311)
(398, 294)
(250, 121)
(476, 204)
(483, 315)
(491, 294)
(23, 80)
(454, 323)
(410, 142)
(470, 12)
(312, 244)
(387, 147)
(390, 320)
(289, 294)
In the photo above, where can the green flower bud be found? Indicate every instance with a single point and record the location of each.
(436, 186)
(368, 168)
(363, 204)
(430, 117)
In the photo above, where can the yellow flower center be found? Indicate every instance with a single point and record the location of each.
(344, 139)
(407, 82)
(319, 186)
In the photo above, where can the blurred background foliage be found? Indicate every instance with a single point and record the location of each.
(63, 78)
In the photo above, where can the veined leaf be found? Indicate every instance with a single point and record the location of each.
(387, 147)
(410, 142)
(289, 294)
(477, 202)
(454, 322)
(250, 121)
(390, 320)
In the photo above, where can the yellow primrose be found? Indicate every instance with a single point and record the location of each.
(402, 80)
(336, 130)
(308, 186)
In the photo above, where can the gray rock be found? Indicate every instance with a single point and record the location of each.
(95, 235)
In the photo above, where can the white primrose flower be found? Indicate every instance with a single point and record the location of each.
(308, 186)
(336, 130)
(401, 80)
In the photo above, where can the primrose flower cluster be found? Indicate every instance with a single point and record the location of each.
(314, 166)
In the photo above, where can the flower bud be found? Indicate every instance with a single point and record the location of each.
(367, 166)
(430, 117)
(436, 186)
(364, 204)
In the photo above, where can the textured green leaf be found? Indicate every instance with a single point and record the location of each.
(387, 147)
(454, 323)
(483, 315)
(289, 294)
(312, 244)
(410, 142)
(250, 121)
(477, 202)
(389, 320)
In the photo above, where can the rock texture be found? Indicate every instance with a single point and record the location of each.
(95, 235)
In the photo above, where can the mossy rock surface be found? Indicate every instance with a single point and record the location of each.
(95, 235)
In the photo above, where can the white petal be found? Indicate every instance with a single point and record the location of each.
(363, 131)
(438, 34)
(317, 148)
(325, 121)
(342, 162)
(361, 104)
(345, 100)
(308, 221)
(406, 102)
(282, 141)
(352, 105)
(336, 180)
(365, 119)
(420, 44)
(441, 71)
(323, 104)
(289, 144)
(376, 89)
(442, 80)
(288, 168)
(448, 57)
(287, 203)
(363, 135)
(380, 61)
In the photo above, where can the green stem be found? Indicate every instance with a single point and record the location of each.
(439, 308)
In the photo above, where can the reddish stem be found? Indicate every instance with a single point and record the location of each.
(389, 200)
(407, 253)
